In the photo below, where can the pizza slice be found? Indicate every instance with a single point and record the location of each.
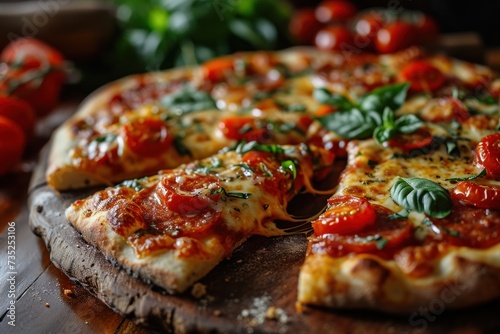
(172, 228)
(410, 219)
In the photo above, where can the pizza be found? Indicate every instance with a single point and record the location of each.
(415, 209)
(174, 227)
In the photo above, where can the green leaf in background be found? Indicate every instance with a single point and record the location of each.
(158, 34)
(422, 195)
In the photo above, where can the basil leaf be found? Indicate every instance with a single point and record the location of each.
(380, 241)
(408, 123)
(392, 96)
(105, 138)
(353, 124)
(134, 184)
(422, 195)
(222, 190)
(188, 99)
(382, 134)
(468, 178)
(244, 147)
(290, 165)
(323, 96)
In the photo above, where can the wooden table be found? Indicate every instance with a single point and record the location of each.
(41, 303)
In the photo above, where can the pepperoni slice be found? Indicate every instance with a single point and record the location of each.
(147, 137)
(411, 141)
(181, 204)
(384, 235)
(265, 168)
(469, 226)
(189, 195)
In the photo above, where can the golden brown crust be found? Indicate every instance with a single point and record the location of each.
(165, 268)
(461, 278)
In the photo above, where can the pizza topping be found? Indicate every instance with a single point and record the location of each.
(359, 121)
(469, 226)
(345, 215)
(181, 204)
(422, 76)
(422, 195)
(186, 100)
(147, 137)
(245, 128)
(405, 124)
(382, 237)
(411, 141)
(488, 155)
(478, 195)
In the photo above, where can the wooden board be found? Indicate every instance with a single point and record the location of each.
(262, 273)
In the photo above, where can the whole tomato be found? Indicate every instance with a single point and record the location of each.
(12, 142)
(33, 72)
(334, 38)
(20, 112)
(304, 26)
(395, 36)
(335, 10)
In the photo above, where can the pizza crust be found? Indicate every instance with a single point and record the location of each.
(463, 277)
(163, 268)
(62, 174)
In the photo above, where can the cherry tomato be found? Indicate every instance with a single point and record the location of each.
(478, 195)
(335, 10)
(31, 53)
(422, 76)
(334, 38)
(384, 234)
(217, 69)
(147, 137)
(368, 26)
(12, 143)
(411, 141)
(192, 195)
(345, 215)
(304, 26)
(488, 155)
(244, 128)
(20, 113)
(427, 28)
(394, 37)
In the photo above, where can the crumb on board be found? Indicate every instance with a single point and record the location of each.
(261, 311)
(47, 305)
(69, 293)
(199, 290)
